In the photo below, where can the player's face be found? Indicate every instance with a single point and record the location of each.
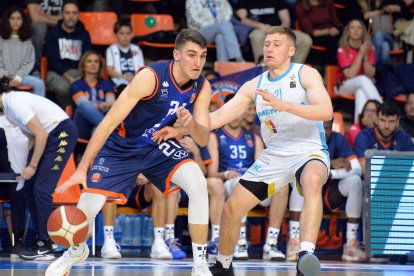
(327, 125)
(387, 125)
(250, 114)
(15, 21)
(191, 59)
(70, 15)
(409, 107)
(355, 30)
(277, 50)
(92, 63)
(124, 36)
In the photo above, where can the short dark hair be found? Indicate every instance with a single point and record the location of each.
(190, 35)
(229, 97)
(123, 22)
(4, 84)
(282, 30)
(389, 109)
(74, 2)
(25, 31)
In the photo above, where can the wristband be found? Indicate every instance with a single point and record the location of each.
(226, 174)
(32, 166)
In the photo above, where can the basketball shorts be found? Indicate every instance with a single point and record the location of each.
(115, 168)
(271, 172)
(137, 198)
(230, 185)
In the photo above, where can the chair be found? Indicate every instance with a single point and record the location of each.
(225, 68)
(145, 24)
(100, 26)
(331, 71)
(9, 183)
(43, 68)
(338, 123)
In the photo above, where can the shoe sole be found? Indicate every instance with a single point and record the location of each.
(241, 258)
(116, 255)
(161, 257)
(276, 259)
(309, 265)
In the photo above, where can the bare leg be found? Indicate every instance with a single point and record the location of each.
(109, 214)
(278, 207)
(158, 212)
(215, 188)
(172, 207)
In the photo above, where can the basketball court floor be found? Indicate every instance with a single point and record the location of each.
(141, 266)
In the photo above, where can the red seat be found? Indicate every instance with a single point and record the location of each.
(100, 26)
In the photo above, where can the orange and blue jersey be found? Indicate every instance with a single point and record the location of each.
(235, 153)
(369, 138)
(339, 147)
(158, 109)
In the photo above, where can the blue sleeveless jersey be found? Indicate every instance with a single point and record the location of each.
(157, 110)
(235, 153)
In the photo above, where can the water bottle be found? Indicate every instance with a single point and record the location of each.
(137, 232)
(127, 231)
(147, 233)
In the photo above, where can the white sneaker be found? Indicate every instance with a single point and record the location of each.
(160, 250)
(73, 255)
(110, 250)
(293, 248)
(270, 253)
(240, 250)
(200, 269)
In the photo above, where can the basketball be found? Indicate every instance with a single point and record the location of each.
(67, 226)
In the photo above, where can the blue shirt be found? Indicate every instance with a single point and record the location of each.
(158, 109)
(369, 139)
(235, 153)
(339, 147)
(95, 94)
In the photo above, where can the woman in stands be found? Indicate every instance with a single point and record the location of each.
(52, 138)
(356, 59)
(92, 96)
(123, 59)
(17, 54)
(366, 119)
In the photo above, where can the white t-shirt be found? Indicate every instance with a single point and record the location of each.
(20, 107)
(284, 132)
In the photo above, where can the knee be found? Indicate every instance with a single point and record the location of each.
(198, 190)
(312, 186)
(305, 40)
(231, 211)
(215, 187)
(226, 26)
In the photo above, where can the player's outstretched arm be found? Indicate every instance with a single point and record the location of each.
(320, 105)
(142, 85)
(236, 107)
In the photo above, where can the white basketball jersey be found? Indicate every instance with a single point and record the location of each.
(283, 132)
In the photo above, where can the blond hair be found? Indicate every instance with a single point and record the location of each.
(282, 30)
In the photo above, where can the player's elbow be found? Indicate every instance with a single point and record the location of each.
(327, 114)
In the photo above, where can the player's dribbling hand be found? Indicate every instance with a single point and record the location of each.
(75, 179)
(271, 100)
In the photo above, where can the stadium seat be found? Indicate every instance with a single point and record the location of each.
(338, 123)
(100, 26)
(230, 67)
(43, 68)
(331, 71)
(145, 24)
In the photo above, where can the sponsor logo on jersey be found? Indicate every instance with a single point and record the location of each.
(249, 140)
(96, 177)
(180, 154)
(270, 126)
(165, 84)
(101, 161)
(266, 112)
(223, 139)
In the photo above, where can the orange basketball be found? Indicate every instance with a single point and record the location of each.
(67, 226)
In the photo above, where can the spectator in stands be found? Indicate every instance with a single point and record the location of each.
(17, 151)
(407, 121)
(344, 185)
(212, 19)
(318, 18)
(384, 135)
(383, 41)
(260, 15)
(52, 138)
(92, 96)
(16, 51)
(44, 15)
(66, 43)
(366, 119)
(356, 59)
(233, 150)
(123, 59)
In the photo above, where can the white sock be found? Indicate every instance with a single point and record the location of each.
(215, 230)
(225, 260)
(169, 231)
(307, 246)
(272, 234)
(351, 231)
(158, 233)
(242, 233)
(294, 229)
(108, 232)
(199, 252)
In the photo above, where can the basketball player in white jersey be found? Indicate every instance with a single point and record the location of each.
(291, 102)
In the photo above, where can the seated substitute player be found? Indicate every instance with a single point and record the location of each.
(291, 102)
(344, 185)
(158, 95)
(384, 136)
